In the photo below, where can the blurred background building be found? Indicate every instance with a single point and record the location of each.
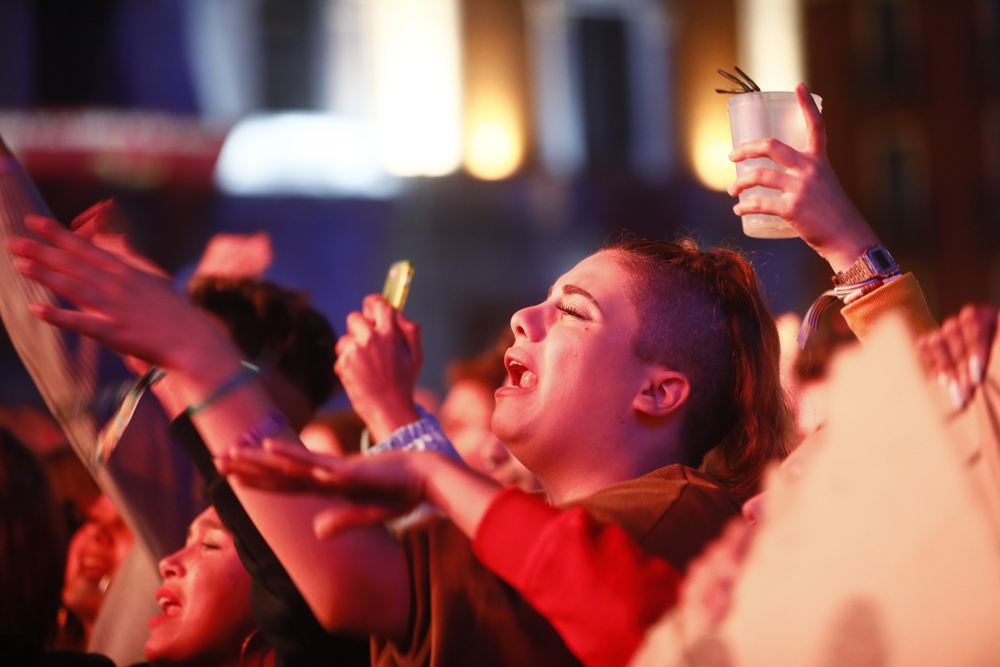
(497, 142)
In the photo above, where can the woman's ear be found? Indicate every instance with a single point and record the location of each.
(664, 393)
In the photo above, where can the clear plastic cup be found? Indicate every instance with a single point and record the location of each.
(758, 116)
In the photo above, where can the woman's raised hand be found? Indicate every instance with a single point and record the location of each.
(812, 199)
(378, 362)
(125, 307)
(378, 488)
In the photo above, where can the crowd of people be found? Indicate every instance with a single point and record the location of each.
(600, 465)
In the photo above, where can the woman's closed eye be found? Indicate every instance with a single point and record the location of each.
(573, 311)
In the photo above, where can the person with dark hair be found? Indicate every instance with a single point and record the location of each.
(32, 546)
(278, 329)
(206, 614)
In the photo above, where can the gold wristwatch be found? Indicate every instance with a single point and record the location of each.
(875, 262)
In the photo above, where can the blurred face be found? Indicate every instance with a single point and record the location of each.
(465, 418)
(96, 551)
(573, 373)
(205, 599)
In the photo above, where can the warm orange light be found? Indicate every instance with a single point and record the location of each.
(494, 144)
(710, 146)
(494, 150)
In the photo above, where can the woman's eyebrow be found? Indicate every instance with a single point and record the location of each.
(573, 289)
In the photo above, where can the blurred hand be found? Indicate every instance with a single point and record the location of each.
(100, 223)
(236, 256)
(812, 199)
(378, 488)
(378, 362)
(127, 308)
(958, 352)
(707, 589)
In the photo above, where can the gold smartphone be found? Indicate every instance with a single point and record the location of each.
(397, 283)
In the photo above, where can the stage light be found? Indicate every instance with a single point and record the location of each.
(418, 102)
(310, 154)
(711, 143)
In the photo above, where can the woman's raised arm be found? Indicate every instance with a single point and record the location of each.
(357, 582)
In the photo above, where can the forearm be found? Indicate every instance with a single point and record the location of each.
(461, 493)
(355, 582)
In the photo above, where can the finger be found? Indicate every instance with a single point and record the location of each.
(359, 328)
(763, 177)
(770, 148)
(379, 313)
(767, 205)
(87, 324)
(270, 463)
(35, 266)
(937, 355)
(413, 337)
(977, 324)
(344, 344)
(955, 340)
(54, 233)
(927, 353)
(98, 219)
(331, 522)
(815, 125)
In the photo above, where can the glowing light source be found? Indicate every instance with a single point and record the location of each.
(769, 33)
(302, 154)
(493, 151)
(710, 147)
(494, 144)
(417, 65)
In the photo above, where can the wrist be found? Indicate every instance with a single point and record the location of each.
(843, 255)
(461, 493)
(384, 421)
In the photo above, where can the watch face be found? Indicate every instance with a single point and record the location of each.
(881, 260)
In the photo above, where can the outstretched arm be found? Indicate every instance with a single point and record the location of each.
(357, 582)
(596, 586)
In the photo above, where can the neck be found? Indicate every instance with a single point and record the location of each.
(634, 453)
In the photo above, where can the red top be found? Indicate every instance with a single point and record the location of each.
(590, 580)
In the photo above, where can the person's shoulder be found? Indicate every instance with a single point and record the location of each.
(662, 489)
(671, 512)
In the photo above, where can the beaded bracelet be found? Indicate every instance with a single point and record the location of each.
(246, 374)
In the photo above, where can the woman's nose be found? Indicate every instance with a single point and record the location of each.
(172, 565)
(527, 322)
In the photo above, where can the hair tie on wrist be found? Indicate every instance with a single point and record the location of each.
(246, 374)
